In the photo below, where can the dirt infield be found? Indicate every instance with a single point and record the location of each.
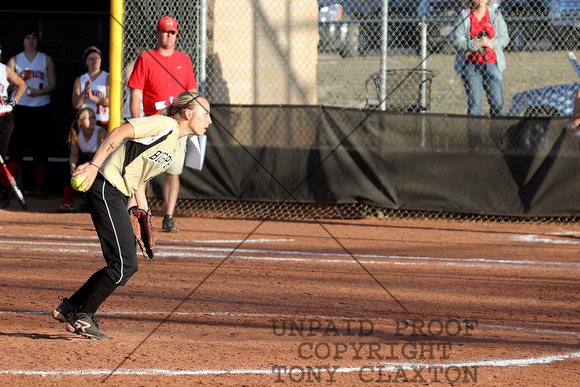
(245, 302)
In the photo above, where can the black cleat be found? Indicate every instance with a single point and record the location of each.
(64, 311)
(85, 324)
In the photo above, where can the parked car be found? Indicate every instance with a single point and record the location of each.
(564, 26)
(528, 21)
(548, 101)
(551, 101)
(339, 26)
(353, 27)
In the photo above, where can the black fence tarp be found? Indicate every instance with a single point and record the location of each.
(407, 161)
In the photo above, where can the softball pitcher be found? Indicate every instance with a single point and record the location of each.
(131, 155)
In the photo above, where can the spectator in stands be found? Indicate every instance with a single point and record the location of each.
(158, 77)
(479, 38)
(7, 77)
(92, 88)
(33, 113)
(84, 138)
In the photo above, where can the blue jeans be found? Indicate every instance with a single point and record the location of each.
(476, 79)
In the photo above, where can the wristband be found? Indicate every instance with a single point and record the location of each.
(8, 102)
(95, 165)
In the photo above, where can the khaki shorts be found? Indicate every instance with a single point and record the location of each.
(177, 166)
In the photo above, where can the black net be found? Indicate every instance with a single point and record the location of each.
(299, 211)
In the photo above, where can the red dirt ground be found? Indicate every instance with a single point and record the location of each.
(225, 301)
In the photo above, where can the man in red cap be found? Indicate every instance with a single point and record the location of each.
(159, 76)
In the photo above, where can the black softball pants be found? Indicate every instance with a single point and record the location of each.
(108, 207)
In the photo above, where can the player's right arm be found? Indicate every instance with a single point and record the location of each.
(112, 141)
(135, 106)
(77, 95)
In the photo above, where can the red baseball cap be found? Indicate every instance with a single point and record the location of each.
(167, 23)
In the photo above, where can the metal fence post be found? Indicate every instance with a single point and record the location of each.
(423, 101)
(384, 54)
(202, 63)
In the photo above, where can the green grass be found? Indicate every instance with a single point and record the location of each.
(341, 81)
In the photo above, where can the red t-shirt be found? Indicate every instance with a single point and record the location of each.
(162, 78)
(477, 27)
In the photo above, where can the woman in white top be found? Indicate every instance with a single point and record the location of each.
(84, 138)
(32, 113)
(92, 88)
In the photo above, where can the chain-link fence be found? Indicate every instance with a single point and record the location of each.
(324, 52)
(419, 34)
(294, 211)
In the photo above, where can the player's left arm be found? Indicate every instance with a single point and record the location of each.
(17, 81)
(501, 37)
(51, 76)
(139, 198)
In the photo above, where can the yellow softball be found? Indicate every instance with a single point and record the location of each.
(77, 181)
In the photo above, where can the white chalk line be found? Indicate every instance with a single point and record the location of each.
(293, 317)
(537, 239)
(221, 253)
(389, 367)
(553, 238)
(215, 241)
